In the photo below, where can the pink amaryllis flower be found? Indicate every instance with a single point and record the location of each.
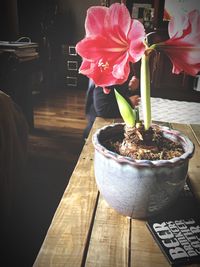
(112, 41)
(183, 47)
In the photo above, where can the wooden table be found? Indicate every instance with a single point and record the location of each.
(85, 231)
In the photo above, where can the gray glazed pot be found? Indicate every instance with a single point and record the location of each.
(139, 188)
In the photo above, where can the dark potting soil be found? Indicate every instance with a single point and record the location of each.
(140, 144)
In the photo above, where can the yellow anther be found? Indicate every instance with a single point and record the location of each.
(103, 66)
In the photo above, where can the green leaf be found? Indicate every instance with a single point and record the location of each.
(126, 111)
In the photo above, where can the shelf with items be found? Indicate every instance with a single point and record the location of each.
(149, 12)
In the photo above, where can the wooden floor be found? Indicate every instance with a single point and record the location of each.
(59, 120)
(54, 148)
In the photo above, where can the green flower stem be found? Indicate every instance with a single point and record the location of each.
(145, 91)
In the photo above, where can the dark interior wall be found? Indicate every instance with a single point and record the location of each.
(42, 18)
(78, 13)
(30, 15)
(61, 19)
(64, 19)
(8, 20)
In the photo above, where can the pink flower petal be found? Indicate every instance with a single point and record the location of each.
(183, 48)
(87, 67)
(119, 18)
(136, 36)
(121, 68)
(106, 90)
(177, 25)
(94, 22)
(184, 61)
(92, 48)
(194, 36)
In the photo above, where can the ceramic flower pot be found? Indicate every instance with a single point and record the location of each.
(139, 188)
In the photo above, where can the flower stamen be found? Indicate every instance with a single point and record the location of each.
(103, 66)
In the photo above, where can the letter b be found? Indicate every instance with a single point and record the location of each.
(177, 253)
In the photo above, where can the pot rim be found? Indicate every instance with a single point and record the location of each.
(185, 141)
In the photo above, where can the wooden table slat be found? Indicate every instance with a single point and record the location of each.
(196, 130)
(109, 244)
(144, 250)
